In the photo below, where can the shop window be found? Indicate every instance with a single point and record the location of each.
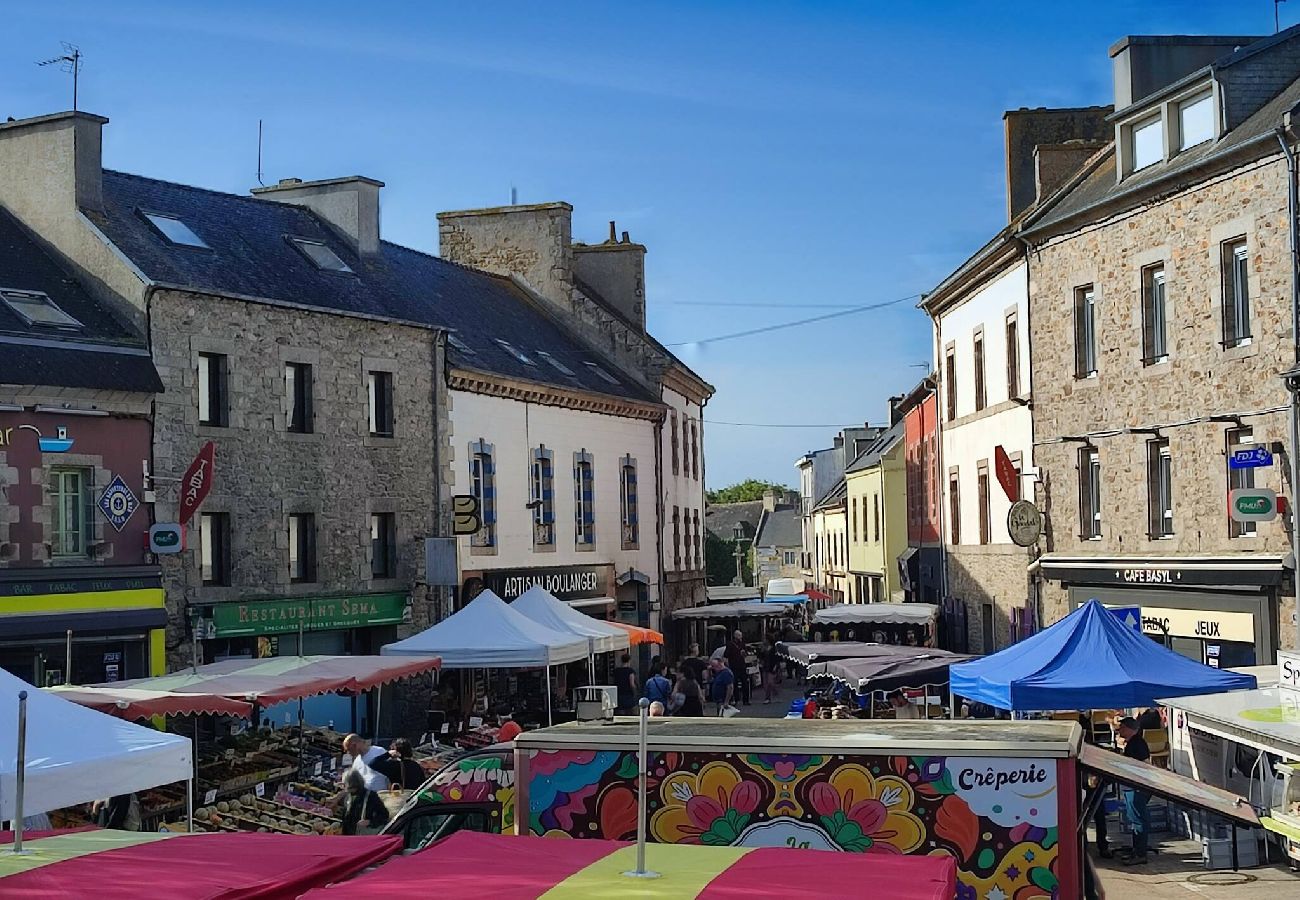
(380, 388)
(302, 548)
(298, 388)
(483, 485)
(1085, 332)
(628, 503)
(1155, 320)
(1240, 478)
(1089, 494)
(214, 549)
(1160, 489)
(1235, 266)
(985, 502)
(71, 511)
(383, 545)
(542, 499)
(214, 401)
(584, 500)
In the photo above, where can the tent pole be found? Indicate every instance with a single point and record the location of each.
(549, 719)
(379, 706)
(189, 797)
(67, 669)
(20, 779)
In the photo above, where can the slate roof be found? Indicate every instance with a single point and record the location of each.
(104, 354)
(876, 452)
(721, 519)
(835, 496)
(780, 528)
(250, 255)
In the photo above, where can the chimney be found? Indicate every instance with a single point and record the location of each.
(1026, 129)
(1055, 163)
(769, 500)
(1144, 64)
(52, 167)
(894, 415)
(615, 271)
(532, 242)
(350, 205)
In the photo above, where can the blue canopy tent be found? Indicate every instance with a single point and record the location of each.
(1088, 660)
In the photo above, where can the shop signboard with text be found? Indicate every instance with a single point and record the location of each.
(285, 616)
(565, 582)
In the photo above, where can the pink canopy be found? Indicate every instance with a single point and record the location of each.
(133, 703)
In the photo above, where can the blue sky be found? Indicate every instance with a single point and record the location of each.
(789, 157)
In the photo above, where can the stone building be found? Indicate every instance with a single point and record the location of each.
(778, 538)
(1160, 318)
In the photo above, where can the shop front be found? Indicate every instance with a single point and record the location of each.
(117, 617)
(1221, 611)
(588, 588)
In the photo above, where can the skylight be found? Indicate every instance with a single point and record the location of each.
(555, 363)
(36, 308)
(516, 353)
(602, 373)
(175, 230)
(321, 255)
(459, 344)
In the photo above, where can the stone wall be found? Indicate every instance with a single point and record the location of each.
(992, 573)
(1185, 231)
(263, 473)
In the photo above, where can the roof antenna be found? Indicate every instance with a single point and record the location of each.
(70, 61)
(1277, 24)
(514, 195)
(259, 154)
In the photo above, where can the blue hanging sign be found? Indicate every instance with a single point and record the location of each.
(117, 503)
(1249, 456)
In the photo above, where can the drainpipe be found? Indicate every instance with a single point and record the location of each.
(1292, 377)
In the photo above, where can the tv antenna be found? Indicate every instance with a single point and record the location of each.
(70, 61)
(259, 154)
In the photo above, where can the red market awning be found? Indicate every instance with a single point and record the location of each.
(281, 678)
(638, 635)
(126, 865)
(133, 703)
(814, 594)
(473, 866)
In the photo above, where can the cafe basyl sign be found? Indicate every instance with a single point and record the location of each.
(312, 613)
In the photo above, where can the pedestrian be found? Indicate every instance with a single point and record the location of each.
(688, 687)
(364, 756)
(723, 684)
(625, 681)
(903, 708)
(657, 709)
(771, 669)
(695, 663)
(1098, 817)
(407, 773)
(509, 730)
(121, 813)
(736, 654)
(657, 687)
(1135, 801)
(1150, 718)
(363, 811)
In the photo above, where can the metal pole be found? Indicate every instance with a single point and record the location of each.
(642, 768)
(20, 782)
(1292, 387)
(67, 669)
(379, 705)
(189, 797)
(549, 719)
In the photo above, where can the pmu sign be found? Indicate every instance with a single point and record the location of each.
(1249, 456)
(1252, 505)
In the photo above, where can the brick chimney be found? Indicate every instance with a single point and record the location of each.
(1027, 129)
(770, 497)
(52, 166)
(1055, 163)
(350, 205)
(530, 242)
(615, 270)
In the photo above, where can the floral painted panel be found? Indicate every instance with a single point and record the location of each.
(998, 817)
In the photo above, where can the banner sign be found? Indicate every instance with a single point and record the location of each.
(197, 481)
(314, 613)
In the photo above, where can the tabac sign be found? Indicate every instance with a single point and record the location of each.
(197, 481)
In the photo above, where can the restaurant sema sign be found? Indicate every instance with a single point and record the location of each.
(311, 613)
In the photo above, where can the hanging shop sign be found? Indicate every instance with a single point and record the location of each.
(466, 516)
(1207, 624)
(1008, 477)
(1024, 523)
(259, 617)
(1252, 505)
(565, 582)
(166, 537)
(197, 481)
(117, 503)
(1249, 456)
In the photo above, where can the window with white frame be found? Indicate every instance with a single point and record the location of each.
(302, 547)
(1240, 478)
(214, 404)
(542, 496)
(1235, 266)
(483, 485)
(1155, 319)
(584, 500)
(71, 511)
(628, 502)
(1196, 120)
(789, 557)
(1085, 332)
(379, 386)
(1160, 489)
(1089, 494)
(1147, 141)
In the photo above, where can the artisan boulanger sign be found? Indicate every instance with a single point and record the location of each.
(313, 613)
(565, 582)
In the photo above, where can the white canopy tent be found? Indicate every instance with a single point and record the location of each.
(76, 755)
(488, 634)
(878, 613)
(545, 608)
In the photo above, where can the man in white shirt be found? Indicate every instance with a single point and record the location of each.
(364, 760)
(903, 708)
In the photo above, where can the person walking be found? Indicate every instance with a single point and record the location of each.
(688, 687)
(722, 685)
(364, 756)
(361, 805)
(770, 666)
(736, 654)
(658, 689)
(1135, 801)
(625, 681)
(406, 773)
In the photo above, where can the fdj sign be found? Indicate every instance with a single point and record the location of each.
(1252, 505)
(1249, 456)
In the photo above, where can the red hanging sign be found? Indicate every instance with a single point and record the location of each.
(197, 481)
(1008, 477)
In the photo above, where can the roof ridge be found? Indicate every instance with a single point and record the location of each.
(206, 190)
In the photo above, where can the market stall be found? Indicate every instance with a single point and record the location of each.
(638, 635)
(128, 865)
(1087, 660)
(888, 668)
(894, 623)
(76, 755)
(809, 652)
(135, 703)
(471, 866)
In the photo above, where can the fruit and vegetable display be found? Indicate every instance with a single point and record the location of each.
(248, 813)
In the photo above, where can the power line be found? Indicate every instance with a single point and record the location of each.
(767, 424)
(756, 305)
(769, 328)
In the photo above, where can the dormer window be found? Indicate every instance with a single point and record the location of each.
(1196, 120)
(320, 254)
(1148, 141)
(36, 308)
(175, 231)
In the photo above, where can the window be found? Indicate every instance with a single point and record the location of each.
(855, 505)
(1235, 265)
(982, 487)
(297, 386)
(789, 557)
(628, 503)
(1085, 332)
(383, 545)
(677, 538)
(175, 230)
(1240, 478)
(601, 373)
(1196, 120)
(672, 420)
(213, 397)
(302, 547)
(695, 451)
(981, 396)
(584, 500)
(543, 496)
(699, 563)
(1148, 139)
(950, 382)
(1012, 334)
(875, 516)
(324, 258)
(954, 507)
(555, 363)
(987, 633)
(214, 548)
(36, 308)
(71, 511)
(380, 386)
(1155, 343)
(483, 485)
(1160, 489)
(1089, 494)
(460, 345)
(516, 353)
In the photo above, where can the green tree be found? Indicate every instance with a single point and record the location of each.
(749, 489)
(720, 560)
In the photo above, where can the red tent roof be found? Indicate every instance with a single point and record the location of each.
(133, 703)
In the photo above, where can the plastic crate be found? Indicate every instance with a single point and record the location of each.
(1216, 853)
